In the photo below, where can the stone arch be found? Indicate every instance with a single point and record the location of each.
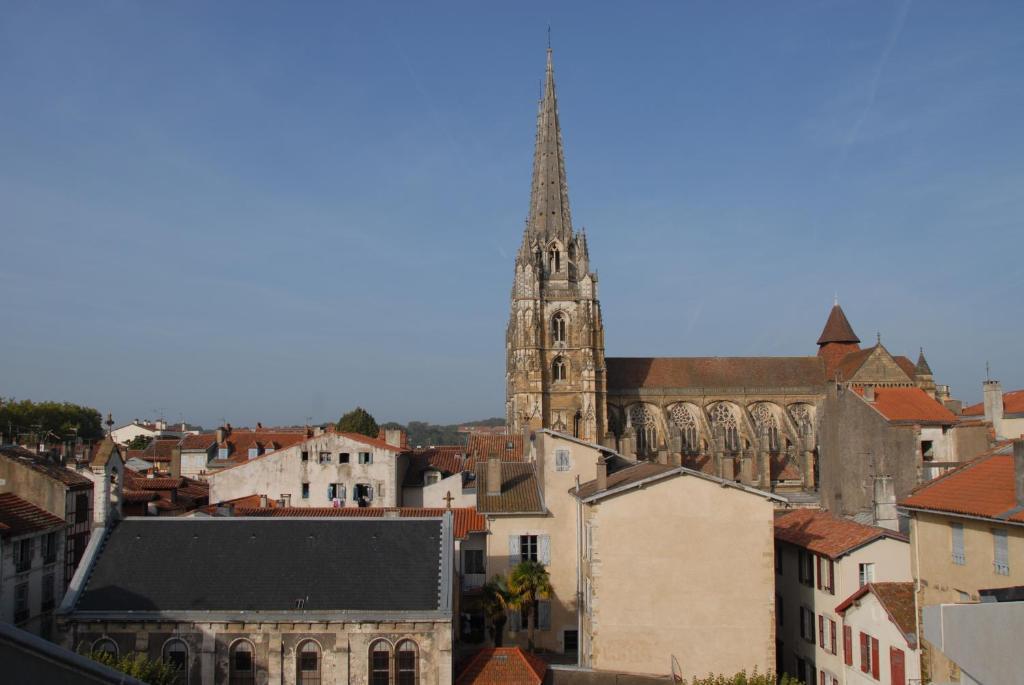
(560, 327)
(686, 418)
(555, 257)
(724, 418)
(560, 369)
(803, 415)
(768, 423)
(643, 419)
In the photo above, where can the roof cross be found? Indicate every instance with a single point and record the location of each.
(448, 499)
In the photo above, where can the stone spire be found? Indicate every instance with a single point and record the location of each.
(549, 196)
(922, 367)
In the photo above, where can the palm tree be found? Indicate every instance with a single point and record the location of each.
(528, 582)
(496, 601)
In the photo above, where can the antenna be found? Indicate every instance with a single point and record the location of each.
(988, 372)
(549, 36)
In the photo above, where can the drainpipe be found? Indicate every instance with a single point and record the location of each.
(917, 590)
(579, 576)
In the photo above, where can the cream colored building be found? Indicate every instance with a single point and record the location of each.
(677, 573)
(880, 636)
(967, 535)
(821, 559)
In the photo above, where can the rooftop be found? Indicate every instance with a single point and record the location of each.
(824, 533)
(46, 466)
(837, 328)
(714, 372)
(910, 406)
(465, 520)
(1013, 403)
(898, 601)
(18, 517)
(520, 492)
(503, 666)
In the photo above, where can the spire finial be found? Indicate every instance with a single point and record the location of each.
(835, 300)
(878, 337)
(549, 36)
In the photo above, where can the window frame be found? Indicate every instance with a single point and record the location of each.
(375, 675)
(956, 530)
(1000, 552)
(301, 674)
(99, 644)
(183, 668)
(865, 573)
(470, 557)
(525, 544)
(365, 458)
(403, 674)
(563, 460)
(323, 458)
(235, 675)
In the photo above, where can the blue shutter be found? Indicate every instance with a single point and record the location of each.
(544, 551)
(341, 491)
(369, 492)
(330, 492)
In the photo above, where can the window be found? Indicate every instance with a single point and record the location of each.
(254, 452)
(105, 646)
(21, 602)
(1001, 560)
(957, 531)
(778, 559)
(869, 655)
(528, 548)
(826, 574)
(380, 663)
(23, 555)
(343, 457)
(325, 457)
(780, 620)
(406, 662)
(336, 491)
(558, 328)
(305, 491)
(222, 452)
(365, 458)
(241, 664)
(821, 631)
(558, 369)
(175, 654)
(50, 548)
(562, 460)
(570, 642)
(81, 508)
(866, 573)
(430, 477)
(806, 567)
(362, 494)
(807, 624)
(473, 561)
(554, 259)
(307, 663)
(848, 645)
(49, 600)
(832, 633)
(305, 456)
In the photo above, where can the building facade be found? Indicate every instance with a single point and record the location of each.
(879, 636)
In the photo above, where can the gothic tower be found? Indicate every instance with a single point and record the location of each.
(555, 368)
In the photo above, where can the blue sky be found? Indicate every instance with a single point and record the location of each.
(274, 211)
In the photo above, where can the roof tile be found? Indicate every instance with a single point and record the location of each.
(714, 372)
(823, 533)
(503, 666)
(18, 517)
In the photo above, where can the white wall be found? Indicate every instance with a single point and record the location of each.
(870, 617)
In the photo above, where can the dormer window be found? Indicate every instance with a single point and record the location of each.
(558, 327)
(222, 452)
(254, 452)
(431, 477)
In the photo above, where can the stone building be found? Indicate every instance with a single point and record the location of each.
(282, 600)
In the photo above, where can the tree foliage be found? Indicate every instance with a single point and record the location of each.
(527, 583)
(423, 434)
(140, 442)
(152, 671)
(359, 421)
(37, 419)
(743, 678)
(496, 601)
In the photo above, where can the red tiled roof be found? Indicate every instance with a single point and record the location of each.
(203, 441)
(909, 405)
(160, 449)
(1013, 403)
(46, 466)
(625, 476)
(465, 520)
(137, 496)
(898, 601)
(520, 491)
(448, 459)
(833, 354)
(503, 666)
(909, 367)
(823, 533)
(837, 328)
(714, 372)
(18, 517)
(983, 486)
(481, 445)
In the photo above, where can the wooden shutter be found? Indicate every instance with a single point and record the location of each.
(832, 627)
(832, 578)
(958, 543)
(821, 631)
(897, 666)
(848, 645)
(874, 658)
(821, 678)
(817, 563)
(544, 615)
(513, 551)
(544, 551)
(864, 645)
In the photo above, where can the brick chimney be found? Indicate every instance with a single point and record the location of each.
(493, 474)
(1018, 470)
(602, 474)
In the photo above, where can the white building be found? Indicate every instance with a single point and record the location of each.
(880, 635)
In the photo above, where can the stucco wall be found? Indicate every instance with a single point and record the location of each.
(868, 616)
(682, 568)
(39, 622)
(32, 486)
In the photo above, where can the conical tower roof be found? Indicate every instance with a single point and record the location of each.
(922, 368)
(549, 196)
(837, 328)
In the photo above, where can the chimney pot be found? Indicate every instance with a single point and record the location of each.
(1018, 470)
(869, 393)
(286, 499)
(221, 434)
(493, 474)
(602, 474)
(264, 502)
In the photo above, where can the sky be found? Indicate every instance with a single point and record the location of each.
(252, 211)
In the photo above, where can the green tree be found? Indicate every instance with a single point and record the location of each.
(496, 602)
(152, 671)
(140, 442)
(33, 420)
(743, 678)
(528, 583)
(359, 421)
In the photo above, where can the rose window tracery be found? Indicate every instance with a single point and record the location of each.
(723, 419)
(642, 421)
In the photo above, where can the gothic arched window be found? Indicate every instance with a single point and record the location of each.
(685, 421)
(803, 418)
(559, 370)
(558, 327)
(643, 423)
(767, 424)
(554, 259)
(724, 421)
(406, 662)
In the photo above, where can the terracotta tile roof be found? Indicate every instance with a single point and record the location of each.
(1013, 403)
(503, 666)
(18, 517)
(160, 449)
(203, 441)
(625, 476)
(909, 405)
(448, 459)
(481, 445)
(898, 601)
(103, 451)
(833, 354)
(837, 328)
(240, 440)
(519, 490)
(465, 520)
(714, 372)
(138, 496)
(909, 367)
(849, 365)
(46, 466)
(821, 532)
(983, 486)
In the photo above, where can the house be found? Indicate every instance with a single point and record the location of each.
(231, 446)
(31, 564)
(675, 572)
(366, 599)
(122, 435)
(432, 474)
(879, 636)
(503, 666)
(59, 490)
(162, 496)
(1004, 412)
(967, 534)
(821, 559)
(329, 469)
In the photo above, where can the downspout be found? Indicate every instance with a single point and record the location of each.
(579, 572)
(917, 589)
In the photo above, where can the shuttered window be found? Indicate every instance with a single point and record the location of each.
(821, 631)
(865, 653)
(848, 645)
(897, 666)
(1001, 560)
(958, 543)
(874, 658)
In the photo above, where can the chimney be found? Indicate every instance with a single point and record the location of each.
(395, 437)
(602, 474)
(994, 405)
(264, 502)
(885, 503)
(221, 435)
(1018, 470)
(869, 393)
(493, 474)
(286, 499)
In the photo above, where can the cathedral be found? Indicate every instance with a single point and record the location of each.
(754, 419)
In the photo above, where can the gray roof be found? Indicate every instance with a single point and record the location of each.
(355, 568)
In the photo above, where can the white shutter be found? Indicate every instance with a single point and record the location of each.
(958, 544)
(369, 492)
(340, 494)
(544, 553)
(1002, 554)
(515, 622)
(544, 614)
(513, 551)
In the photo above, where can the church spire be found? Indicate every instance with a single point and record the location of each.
(549, 196)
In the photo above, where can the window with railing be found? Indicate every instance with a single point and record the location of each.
(957, 531)
(1001, 552)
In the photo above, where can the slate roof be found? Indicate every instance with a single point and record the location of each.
(983, 486)
(465, 520)
(625, 373)
(824, 533)
(355, 567)
(849, 365)
(18, 517)
(837, 328)
(520, 492)
(910, 406)
(482, 445)
(897, 599)
(624, 475)
(46, 466)
(503, 666)
(1013, 403)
